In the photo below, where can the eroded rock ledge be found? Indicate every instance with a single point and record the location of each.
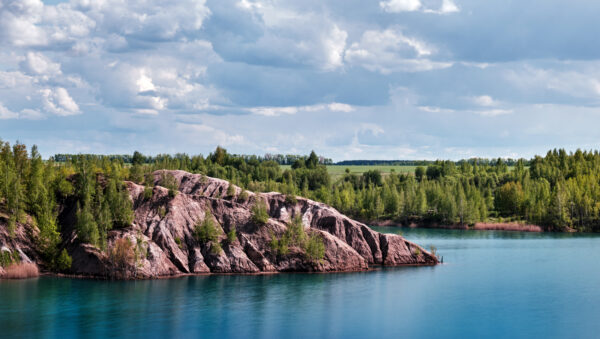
(163, 235)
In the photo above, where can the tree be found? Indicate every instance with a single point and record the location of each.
(260, 216)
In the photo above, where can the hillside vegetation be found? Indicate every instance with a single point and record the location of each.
(559, 191)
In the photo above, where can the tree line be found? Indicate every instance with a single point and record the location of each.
(559, 191)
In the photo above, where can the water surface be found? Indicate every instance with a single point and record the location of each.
(493, 284)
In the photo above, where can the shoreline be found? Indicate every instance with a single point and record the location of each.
(371, 268)
(480, 226)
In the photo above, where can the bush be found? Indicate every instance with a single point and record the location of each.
(207, 232)
(279, 246)
(315, 248)
(8, 258)
(295, 232)
(243, 197)
(230, 191)
(64, 261)
(167, 180)
(232, 235)
(122, 254)
(259, 213)
(148, 192)
(215, 248)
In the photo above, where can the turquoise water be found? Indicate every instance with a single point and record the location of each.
(492, 285)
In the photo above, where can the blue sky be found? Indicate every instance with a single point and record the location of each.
(354, 79)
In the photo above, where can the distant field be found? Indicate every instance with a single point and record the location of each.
(338, 171)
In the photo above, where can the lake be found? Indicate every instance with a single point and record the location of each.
(492, 285)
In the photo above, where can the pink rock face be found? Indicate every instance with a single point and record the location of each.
(164, 242)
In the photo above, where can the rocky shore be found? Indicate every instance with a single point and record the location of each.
(162, 240)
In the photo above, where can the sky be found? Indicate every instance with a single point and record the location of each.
(352, 79)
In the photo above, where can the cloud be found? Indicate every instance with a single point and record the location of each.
(27, 114)
(339, 107)
(395, 6)
(484, 100)
(390, 51)
(38, 64)
(277, 111)
(58, 101)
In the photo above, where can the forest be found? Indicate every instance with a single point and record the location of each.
(560, 191)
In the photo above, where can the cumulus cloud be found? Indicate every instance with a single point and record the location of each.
(28, 114)
(390, 51)
(397, 6)
(58, 101)
(38, 64)
(484, 100)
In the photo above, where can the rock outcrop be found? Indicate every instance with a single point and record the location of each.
(163, 241)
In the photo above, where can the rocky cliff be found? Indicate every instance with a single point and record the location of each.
(162, 239)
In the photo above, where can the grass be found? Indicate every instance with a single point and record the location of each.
(337, 171)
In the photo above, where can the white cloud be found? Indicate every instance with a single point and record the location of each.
(391, 51)
(484, 100)
(340, 107)
(395, 6)
(274, 111)
(448, 6)
(28, 114)
(5, 113)
(334, 45)
(38, 64)
(59, 102)
(289, 110)
(144, 83)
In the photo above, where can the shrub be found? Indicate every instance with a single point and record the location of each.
(8, 258)
(215, 248)
(291, 198)
(232, 235)
(243, 197)
(162, 211)
(21, 271)
(122, 254)
(178, 241)
(295, 232)
(315, 248)
(279, 246)
(230, 190)
(259, 213)
(148, 192)
(207, 232)
(64, 261)
(167, 180)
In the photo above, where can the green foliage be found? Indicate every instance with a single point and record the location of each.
(148, 192)
(315, 247)
(259, 212)
(86, 226)
(64, 261)
(231, 235)
(8, 258)
(167, 180)
(207, 232)
(230, 190)
(243, 197)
